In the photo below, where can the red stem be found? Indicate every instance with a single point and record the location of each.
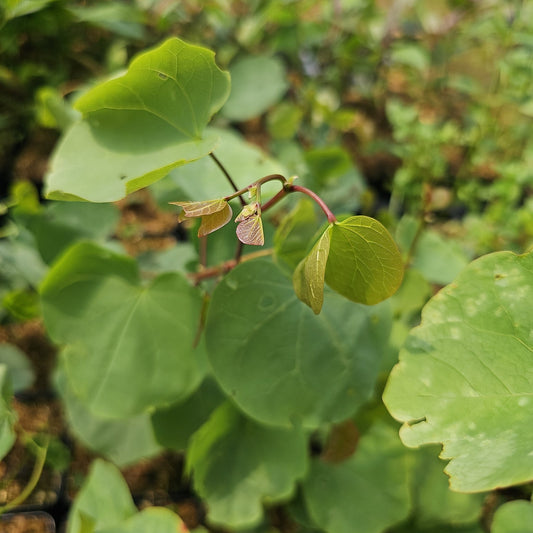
(331, 217)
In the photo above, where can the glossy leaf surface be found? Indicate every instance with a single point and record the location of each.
(465, 375)
(281, 363)
(132, 343)
(368, 492)
(138, 127)
(364, 263)
(237, 464)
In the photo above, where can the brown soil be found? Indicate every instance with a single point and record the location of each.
(27, 523)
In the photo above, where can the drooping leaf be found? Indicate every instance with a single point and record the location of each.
(367, 493)
(104, 500)
(308, 278)
(214, 214)
(258, 83)
(280, 362)
(364, 263)
(7, 415)
(215, 221)
(133, 344)
(465, 375)
(250, 230)
(237, 464)
(513, 517)
(123, 441)
(173, 425)
(138, 127)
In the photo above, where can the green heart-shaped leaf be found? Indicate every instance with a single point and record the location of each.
(364, 263)
(283, 364)
(132, 345)
(138, 127)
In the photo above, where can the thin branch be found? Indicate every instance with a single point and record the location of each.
(228, 177)
(327, 211)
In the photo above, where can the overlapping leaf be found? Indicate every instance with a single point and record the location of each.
(238, 464)
(132, 344)
(513, 517)
(357, 257)
(465, 376)
(7, 415)
(367, 493)
(214, 214)
(281, 363)
(139, 126)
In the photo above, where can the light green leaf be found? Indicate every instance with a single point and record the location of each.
(513, 517)
(281, 363)
(19, 8)
(364, 263)
(465, 377)
(19, 369)
(132, 344)
(104, 499)
(123, 441)
(308, 278)
(258, 82)
(7, 415)
(174, 425)
(238, 464)
(367, 493)
(140, 126)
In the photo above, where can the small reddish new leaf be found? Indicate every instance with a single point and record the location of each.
(214, 221)
(250, 231)
(200, 209)
(248, 211)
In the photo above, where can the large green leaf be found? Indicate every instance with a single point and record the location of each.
(131, 344)
(123, 441)
(368, 492)
(281, 363)
(7, 415)
(237, 464)
(364, 263)
(465, 376)
(139, 126)
(513, 517)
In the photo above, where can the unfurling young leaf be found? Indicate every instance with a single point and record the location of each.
(250, 228)
(214, 214)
